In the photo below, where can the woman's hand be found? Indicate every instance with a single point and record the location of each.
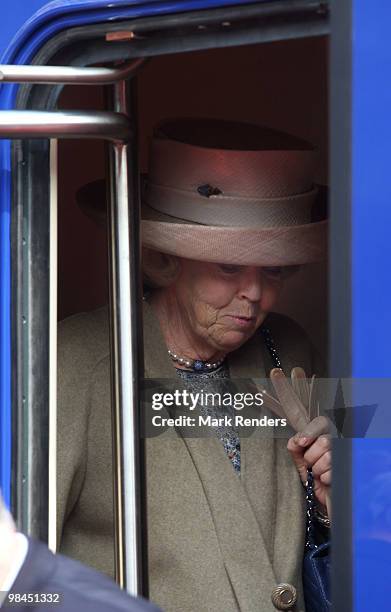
(312, 448)
(311, 445)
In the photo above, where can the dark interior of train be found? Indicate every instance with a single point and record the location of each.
(283, 85)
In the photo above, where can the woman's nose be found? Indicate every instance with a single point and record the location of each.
(252, 285)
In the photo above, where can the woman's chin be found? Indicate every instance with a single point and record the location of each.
(232, 340)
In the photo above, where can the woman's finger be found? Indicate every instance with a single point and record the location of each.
(315, 428)
(322, 465)
(326, 479)
(297, 454)
(318, 448)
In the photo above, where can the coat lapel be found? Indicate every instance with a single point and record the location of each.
(241, 542)
(268, 472)
(257, 453)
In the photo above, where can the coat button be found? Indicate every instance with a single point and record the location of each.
(284, 596)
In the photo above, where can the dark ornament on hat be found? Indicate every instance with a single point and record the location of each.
(207, 191)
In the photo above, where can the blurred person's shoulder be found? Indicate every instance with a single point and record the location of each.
(79, 587)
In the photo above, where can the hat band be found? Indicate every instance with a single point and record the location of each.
(231, 211)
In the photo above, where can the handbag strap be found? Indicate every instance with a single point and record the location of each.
(310, 512)
(269, 343)
(309, 485)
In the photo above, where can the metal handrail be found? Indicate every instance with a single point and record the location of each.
(68, 75)
(126, 330)
(127, 361)
(111, 126)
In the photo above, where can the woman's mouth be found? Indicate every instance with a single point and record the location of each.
(241, 321)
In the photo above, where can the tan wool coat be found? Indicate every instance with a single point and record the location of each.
(217, 542)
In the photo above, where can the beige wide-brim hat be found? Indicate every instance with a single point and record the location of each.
(230, 192)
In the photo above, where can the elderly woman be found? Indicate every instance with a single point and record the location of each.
(227, 208)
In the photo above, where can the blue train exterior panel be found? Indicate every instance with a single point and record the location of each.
(371, 292)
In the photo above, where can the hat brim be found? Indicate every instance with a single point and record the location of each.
(252, 246)
(249, 246)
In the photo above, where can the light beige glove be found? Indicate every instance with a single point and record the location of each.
(297, 403)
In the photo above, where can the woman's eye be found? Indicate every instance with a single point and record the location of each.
(275, 271)
(229, 269)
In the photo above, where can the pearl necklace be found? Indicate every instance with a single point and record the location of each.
(205, 366)
(197, 365)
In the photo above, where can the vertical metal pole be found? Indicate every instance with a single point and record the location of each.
(53, 289)
(30, 331)
(126, 354)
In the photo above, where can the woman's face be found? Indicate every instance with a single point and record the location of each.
(225, 304)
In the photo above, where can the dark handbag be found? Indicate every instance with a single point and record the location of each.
(316, 564)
